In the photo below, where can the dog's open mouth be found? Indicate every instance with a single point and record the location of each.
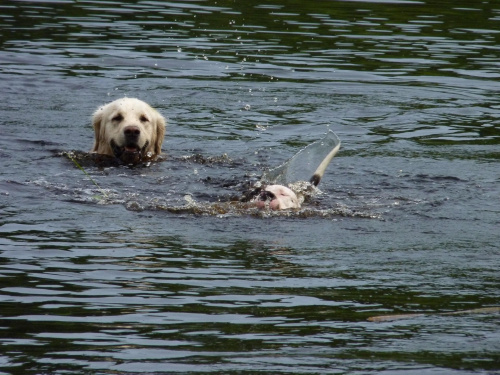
(265, 200)
(130, 153)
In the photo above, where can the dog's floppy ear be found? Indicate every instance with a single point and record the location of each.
(160, 132)
(96, 123)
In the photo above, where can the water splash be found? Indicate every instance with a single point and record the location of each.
(302, 165)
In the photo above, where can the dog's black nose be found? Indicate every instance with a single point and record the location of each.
(132, 133)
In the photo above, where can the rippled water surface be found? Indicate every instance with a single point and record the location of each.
(156, 270)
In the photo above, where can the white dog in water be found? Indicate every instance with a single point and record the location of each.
(276, 197)
(128, 129)
(279, 197)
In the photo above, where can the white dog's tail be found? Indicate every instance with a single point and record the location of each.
(320, 171)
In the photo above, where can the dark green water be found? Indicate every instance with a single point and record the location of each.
(142, 282)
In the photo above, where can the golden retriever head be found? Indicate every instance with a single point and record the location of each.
(128, 129)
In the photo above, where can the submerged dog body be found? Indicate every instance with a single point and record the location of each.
(128, 129)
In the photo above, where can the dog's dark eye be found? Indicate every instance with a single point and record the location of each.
(117, 118)
(144, 119)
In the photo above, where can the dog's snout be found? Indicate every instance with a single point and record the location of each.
(132, 133)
